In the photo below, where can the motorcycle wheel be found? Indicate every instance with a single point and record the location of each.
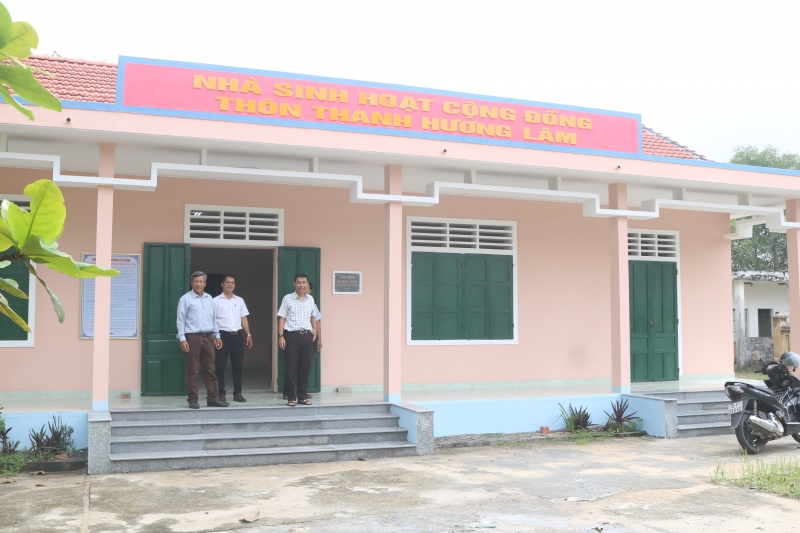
(751, 444)
(796, 437)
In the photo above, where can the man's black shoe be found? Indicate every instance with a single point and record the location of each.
(217, 403)
(194, 405)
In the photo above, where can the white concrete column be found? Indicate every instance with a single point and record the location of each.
(620, 311)
(102, 292)
(393, 287)
(738, 313)
(793, 253)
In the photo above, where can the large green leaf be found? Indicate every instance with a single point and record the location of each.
(18, 221)
(41, 253)
(26, 86)
(53, 298)
(6, 237)
(11, 100)
(12, 288)
(6, 310)
(5, 25)
(47, 210)
(23, 38)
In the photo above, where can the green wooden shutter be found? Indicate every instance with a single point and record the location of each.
(664, 313)
(291, 261)
(639, 322)
(17, 271)
(448, 297)
(476, 287)
(501, 296)
(166, 279)
(422, 283)
(461, 296)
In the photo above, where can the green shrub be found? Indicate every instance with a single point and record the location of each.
(11, 464)
(574, 418)
(57, 442)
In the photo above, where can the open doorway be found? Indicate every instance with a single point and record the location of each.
(253, 268)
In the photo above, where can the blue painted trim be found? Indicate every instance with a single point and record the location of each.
(124, 60)
(100, 406)
(393, 398)
(621, 390)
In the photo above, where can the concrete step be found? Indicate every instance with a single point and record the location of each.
(174, 460)
(710, 394)
(704, 415)
(265, 439)
(704, 429)
(690, 406)
(130, 428)
(236, 411)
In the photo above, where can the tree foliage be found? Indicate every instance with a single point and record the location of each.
(765, 250)
(16, 41)
(31, 237)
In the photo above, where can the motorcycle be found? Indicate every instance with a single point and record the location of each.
(762, 414)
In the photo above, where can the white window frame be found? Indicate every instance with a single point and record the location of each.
(677, 261)
(29, 343)
(515, 268)
(188, 208)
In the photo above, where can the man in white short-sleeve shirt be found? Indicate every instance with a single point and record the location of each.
(234, 330)
(297, 330)
(318, 316)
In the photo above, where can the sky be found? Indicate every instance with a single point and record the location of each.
(712, 75)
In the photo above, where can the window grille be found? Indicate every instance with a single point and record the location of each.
(233, 226)
(23, 202)
(462, 235)
(653, 245)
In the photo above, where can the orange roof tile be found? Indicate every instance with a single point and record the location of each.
(92, 81)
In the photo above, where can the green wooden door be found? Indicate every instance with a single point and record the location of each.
(166, 279)
(461, 296)
(291, 261)
(653, 293)
(18, 271)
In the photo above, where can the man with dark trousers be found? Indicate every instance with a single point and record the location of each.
(297, 330)
(318, 317)
(234, 330)
(199, 336)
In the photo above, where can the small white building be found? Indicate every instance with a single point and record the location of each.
(764, 295)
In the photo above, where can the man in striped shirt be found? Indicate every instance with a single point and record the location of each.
(297, 330)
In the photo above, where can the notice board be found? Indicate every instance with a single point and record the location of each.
(124, 297)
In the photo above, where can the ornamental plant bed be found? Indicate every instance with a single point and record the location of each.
(73, 461)
(515, 439)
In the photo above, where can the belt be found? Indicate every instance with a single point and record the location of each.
(223, 332)
(300, 331)
(201, 334)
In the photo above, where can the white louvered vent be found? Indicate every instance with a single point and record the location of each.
(461, 235)
(233, 226)
(653, 245)
(22, 201)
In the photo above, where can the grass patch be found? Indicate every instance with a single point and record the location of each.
(747, 373)
(781, 476)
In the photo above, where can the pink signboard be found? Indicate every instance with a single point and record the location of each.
(222, 93)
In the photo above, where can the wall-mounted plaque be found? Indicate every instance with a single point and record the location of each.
(346, 282)
(124, 298)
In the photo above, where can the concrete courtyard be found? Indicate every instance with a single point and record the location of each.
(614, 486)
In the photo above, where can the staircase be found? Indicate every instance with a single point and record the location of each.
(169, 439)
(700, 412)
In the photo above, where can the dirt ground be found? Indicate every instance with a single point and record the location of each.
(637, 484)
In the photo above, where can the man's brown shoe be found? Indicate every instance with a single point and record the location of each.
(221, 398)
(237, 397)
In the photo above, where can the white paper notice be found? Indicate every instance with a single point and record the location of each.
(124, 298)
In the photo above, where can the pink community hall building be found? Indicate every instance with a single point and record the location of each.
(483, 258)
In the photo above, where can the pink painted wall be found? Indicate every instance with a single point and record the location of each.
(563, 289)
(706, 302)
